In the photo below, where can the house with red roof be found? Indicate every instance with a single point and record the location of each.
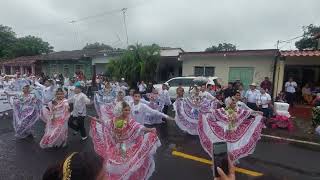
(302, 66)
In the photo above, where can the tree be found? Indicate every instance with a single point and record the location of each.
(222, 47)
(307, 41)
(7, 39)
(11, 46)
(97, 45)
(137, 63)
(29, 46)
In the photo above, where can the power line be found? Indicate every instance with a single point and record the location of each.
(96, 15)
(289, 40)
(125, 23)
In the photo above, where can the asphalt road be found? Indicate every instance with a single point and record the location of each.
(24, 159)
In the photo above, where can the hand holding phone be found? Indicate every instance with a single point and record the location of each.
(220, 158)
(228, 174)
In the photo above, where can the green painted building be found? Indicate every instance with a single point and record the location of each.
(67, 62)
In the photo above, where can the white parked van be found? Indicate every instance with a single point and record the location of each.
(186, 83)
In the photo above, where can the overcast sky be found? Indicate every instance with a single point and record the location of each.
(190, 24)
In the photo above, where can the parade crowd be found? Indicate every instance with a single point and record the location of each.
(123, 133)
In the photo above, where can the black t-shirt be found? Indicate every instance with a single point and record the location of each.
(149, 88)
(229, 92)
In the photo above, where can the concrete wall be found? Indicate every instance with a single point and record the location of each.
(263, 66)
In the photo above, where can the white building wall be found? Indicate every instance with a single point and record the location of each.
(263, 66)
(170, 52)
(101, 63)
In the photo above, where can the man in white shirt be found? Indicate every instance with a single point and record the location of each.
(264, 103)
(142, 87)
(290, 91)
(123, 85)
(129, 99)
(164, 98)
(251, 97)
(140, 110)
(79, 112)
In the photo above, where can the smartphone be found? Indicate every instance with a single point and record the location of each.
(220, 158)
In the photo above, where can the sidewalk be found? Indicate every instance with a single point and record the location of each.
(301, 131)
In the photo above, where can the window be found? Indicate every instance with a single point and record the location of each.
(53, 68)
(66, 70)
(174, 82)
(198, 71)
(79, 67)
(187, 82)
(204, 71)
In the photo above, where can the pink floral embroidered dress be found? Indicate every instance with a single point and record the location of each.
(237, 127)
(127, 151)
(56, 118)
(188, 111)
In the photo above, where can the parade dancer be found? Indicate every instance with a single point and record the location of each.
(129, 98)
(164, 98)
(26, 112)
(104, 100)
(79, 112)
(126, 145)
(48, 90)
(189, 109)
(140, 111)
(56, 118)
(239, 127)
(120, 97)
(6, 85)
(154, 104)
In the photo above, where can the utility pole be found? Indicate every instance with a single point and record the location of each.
(124, 10)
(278, 42)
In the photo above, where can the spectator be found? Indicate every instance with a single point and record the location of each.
(266, 85)
(123, 85)
(290, 91)
(251, 97)
(77, 166)
(218, 88)
(210, 88)
(316, 101)
(264, 103)
(242, 92)
(281, 97)
(149, 87)
(142, 87)
(236, 84)
(229, 92)
(306, 94)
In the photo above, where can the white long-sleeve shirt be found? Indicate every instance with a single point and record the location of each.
(140, 111)
(129, 100)
(164, 97)
(207, 95)
(79, 101)
(48, 92)
(7, 85)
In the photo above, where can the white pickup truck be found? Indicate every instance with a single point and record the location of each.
(186, 82)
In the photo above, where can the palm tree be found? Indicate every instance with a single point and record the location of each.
(137, 63)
